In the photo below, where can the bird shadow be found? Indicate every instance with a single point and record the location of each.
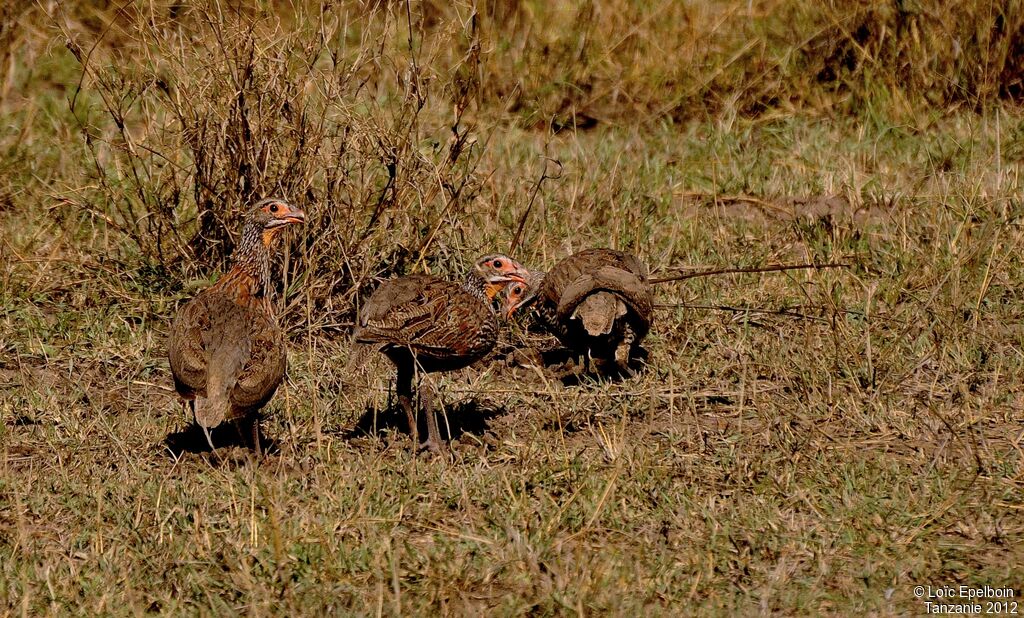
(572, 369)
(226, 436)
(469, 417)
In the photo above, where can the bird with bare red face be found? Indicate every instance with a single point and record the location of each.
(226, 350)
(424, 324)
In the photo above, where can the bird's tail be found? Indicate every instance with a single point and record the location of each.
(222, 370)
(599, 312)
(211, 411)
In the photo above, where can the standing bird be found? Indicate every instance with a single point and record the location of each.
(596, 302)
(226, 350)
(426, 324)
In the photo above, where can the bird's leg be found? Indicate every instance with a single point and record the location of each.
(403, 387)
(428, 396)
(248, 428)
(624, 351)
(256, 437)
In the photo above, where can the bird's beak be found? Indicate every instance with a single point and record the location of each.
(295, 216)
(522, 301)
(510, 278)
(292, 216)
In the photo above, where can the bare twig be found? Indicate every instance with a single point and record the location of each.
(754, 269)
(536, 189)
(782, 312)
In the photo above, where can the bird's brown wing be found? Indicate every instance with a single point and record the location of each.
(186, 348)
(623, 284)
(572, 267)
(229, 357)
(399, 310)
(264, 367)
(430, 317)
(392, 295)
(380, 320)
(462, 327)
(227, 348)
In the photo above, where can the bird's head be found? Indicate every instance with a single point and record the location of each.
(497, 271)
(521, 293)
(271, 216)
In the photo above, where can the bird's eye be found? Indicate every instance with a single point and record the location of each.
(517, 290)
(274, 208)
(497, 264)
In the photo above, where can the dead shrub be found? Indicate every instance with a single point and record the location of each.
(206, 109)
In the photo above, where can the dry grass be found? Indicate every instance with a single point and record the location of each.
(802, 443)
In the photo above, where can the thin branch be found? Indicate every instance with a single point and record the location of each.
(754, 269)
(536, 189)
(782, 312)
(791, 312)
(382, 200)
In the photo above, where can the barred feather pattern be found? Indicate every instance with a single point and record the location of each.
(225, 348)
(443, 324)
(426, 324)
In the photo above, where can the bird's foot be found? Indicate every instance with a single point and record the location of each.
(431, 447)
(569, 370)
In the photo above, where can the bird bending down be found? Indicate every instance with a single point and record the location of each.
(596, 302)
(225, 348)
(426, 324)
